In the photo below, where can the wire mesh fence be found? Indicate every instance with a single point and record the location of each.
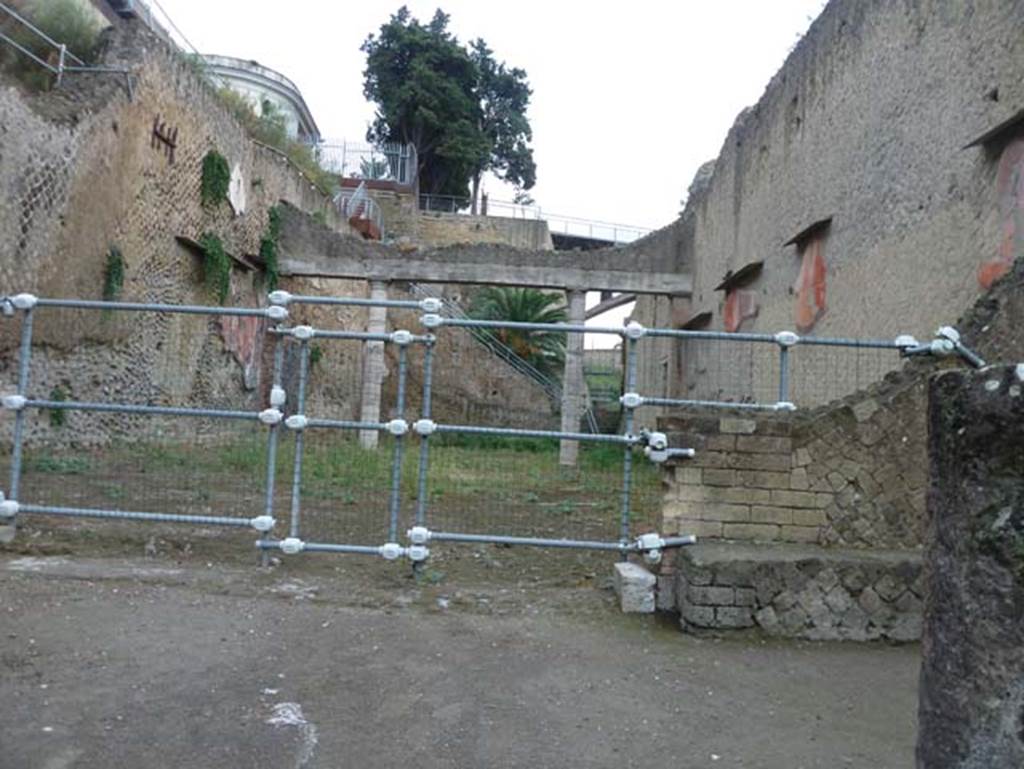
(305, 476)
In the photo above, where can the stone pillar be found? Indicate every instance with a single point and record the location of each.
(373, 366)
(971, 712)
(573, 392)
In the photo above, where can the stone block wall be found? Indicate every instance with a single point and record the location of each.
(849, 474)
(800, 592)
(439, 229)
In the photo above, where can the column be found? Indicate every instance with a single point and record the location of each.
(573, 393)
(373, 366)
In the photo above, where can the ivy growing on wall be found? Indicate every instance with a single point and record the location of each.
(58, 416)
(216, 178)
(216, 266)
(113, 275)
(316, 354)
(268, 246)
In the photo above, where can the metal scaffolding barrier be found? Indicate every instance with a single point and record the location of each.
(412, 544)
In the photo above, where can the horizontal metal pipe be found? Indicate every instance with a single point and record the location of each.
(723, 336)
(185, 309)
(88, 512)
(128, 408)
(569, 328)
(879, 344)
(712, 404)
(517, 433)
(351, 301)
(687, 539)
(320, 547)
(345, 424)
(582, 544)
(368, 336)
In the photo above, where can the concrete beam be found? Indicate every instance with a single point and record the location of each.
(309, 249)
(523, 273)
(610, 304)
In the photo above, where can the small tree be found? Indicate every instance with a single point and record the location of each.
(544, 350)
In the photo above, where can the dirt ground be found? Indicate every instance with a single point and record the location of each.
(118, 650)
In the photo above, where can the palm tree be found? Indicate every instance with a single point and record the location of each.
(544, 350)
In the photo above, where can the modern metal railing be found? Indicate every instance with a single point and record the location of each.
(391, 161)
(591, 229)
(67, 61)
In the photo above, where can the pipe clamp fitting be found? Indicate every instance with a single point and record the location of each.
(397, 427)
(296, 422)
(632, 400)
(262, 522)
(24, 301)
(424, 426)
(432, 320)
(418, 553)
(401, 337)
(271, 416)
(786, 338)
(418, 535)
(391, 551)
(303, 333)
(279, 297)
(14, 402)
(431, 305)
(633, 330)
(277, 396)
(291, 545)
(276, 312)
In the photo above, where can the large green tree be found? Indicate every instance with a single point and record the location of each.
(464, 111)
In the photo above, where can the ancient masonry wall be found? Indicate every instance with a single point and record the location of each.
(853, 473)
(799, 592)
(84, 173)
(865, 131)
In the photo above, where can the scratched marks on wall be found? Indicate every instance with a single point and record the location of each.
(165, 137)
(1010, 196)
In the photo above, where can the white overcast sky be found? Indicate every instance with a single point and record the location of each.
(628, 98)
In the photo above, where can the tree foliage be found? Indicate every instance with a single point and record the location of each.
(544, 350)
(464, 111)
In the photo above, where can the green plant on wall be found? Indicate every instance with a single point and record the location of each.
(57, 416)
(316, 354)
(216, 178)
(216, 266)
(113, 275)
(268, 246)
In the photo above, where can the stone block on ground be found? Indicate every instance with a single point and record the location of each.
(635, 587)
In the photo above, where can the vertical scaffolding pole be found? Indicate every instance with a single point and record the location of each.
(783, 374)
(300, 411)
(24, 359)
(627, 452)
(396, 455)
(272, 439)
(421, 480)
